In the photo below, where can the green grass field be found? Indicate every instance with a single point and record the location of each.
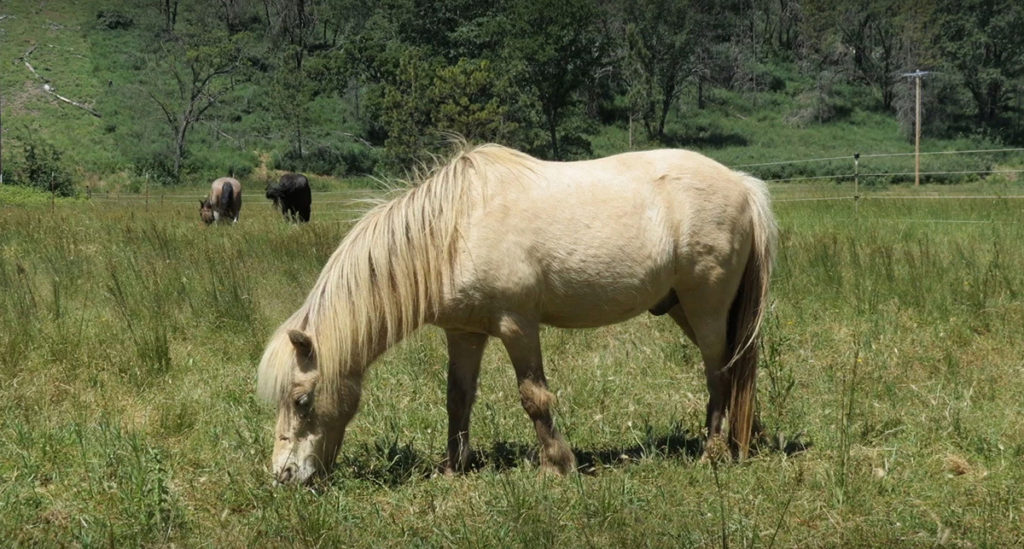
(129, 337)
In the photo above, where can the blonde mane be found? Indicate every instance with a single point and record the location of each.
(388, 275)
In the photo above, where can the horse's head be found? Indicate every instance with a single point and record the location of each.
(273, 192)
(206, 211)
(311, 416)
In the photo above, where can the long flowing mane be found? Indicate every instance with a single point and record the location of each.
(389, 273)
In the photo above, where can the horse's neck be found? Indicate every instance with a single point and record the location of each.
(364, 349)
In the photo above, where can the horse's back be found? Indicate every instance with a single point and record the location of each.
(595, 242)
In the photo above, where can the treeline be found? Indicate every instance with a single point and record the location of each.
(357, 86)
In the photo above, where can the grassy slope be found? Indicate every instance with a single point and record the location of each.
(62, 56)
(127, 411)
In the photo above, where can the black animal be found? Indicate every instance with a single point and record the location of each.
(291, 195)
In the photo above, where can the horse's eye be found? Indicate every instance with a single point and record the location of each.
(304, 400)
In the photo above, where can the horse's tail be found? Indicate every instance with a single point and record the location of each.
(746, 316)
(227, 198)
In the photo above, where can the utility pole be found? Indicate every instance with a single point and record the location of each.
(916, 75)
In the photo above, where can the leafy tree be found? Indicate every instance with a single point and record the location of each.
(169, 13)
(982, 41)
(556, 42)
(416, 92)
(468, 101)
(203, 66)
(780, 24)
(658, 58)
(291, 91)
(401, 106)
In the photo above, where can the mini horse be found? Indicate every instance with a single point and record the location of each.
(496, 243)
(291, 195)
(224, 202)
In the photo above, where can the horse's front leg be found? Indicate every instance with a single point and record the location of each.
(522, 341)
(464, 353)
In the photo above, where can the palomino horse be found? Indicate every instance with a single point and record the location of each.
(496, 243)
(224, 202)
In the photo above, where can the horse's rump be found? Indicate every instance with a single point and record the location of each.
(227, 197)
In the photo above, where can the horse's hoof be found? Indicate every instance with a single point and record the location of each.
(717, 450)
(557, 470)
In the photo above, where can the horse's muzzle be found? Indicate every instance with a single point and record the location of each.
(286, 475)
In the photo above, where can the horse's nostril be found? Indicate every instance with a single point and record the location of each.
(286, 474)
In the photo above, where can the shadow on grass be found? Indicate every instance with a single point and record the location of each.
(391, 464)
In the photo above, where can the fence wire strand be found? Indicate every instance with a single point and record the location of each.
(874, 155)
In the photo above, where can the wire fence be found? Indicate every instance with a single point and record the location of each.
(882, 168)
(348, 205)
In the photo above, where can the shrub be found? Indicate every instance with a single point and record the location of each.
(113, 19)
(41, 167)
(338, 160)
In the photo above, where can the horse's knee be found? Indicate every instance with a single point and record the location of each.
(536, 399)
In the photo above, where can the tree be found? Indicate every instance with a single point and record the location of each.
(291, 92)
(470, 100)
(401, 105)
(202, 66)
(556, 44)
(982, 41)
(294, 21)
(658, 58)
(169, 14)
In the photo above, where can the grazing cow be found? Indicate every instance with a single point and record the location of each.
(224, 202)
(291, 195)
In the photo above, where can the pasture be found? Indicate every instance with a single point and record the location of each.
(890, 388)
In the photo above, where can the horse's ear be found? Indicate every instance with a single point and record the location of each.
(302, 342)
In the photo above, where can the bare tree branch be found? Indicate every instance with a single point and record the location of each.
(163, 107)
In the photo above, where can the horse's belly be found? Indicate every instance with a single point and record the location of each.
(589, 314)
(601, 301)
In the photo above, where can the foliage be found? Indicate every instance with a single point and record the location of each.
(40, 166)
(659, 38)
(202, 65)
(348, 159)
(114, 20)
(559, 46)
(982, 43)
(182, 85)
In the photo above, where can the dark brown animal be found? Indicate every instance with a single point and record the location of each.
(291, 195)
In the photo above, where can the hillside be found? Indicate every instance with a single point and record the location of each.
(335, 90)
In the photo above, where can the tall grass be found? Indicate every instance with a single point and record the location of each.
(890, 392)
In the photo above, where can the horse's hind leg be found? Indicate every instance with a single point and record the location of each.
(707, 328)
(522, 341)
(464, 353)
